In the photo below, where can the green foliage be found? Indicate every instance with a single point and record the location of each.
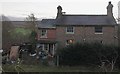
(33, 39)
(86, 54)
(33, 35)
(20, 32)
(31, 20)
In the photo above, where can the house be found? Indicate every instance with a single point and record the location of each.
(67, 29)
(47, 36)
(86, 28)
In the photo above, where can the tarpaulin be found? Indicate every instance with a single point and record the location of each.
(14, 52)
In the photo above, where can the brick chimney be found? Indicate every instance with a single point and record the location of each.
(109, 9)
(59, 11)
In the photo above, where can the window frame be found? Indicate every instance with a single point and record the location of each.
(98, 30)
(72, 30)
(43, 36)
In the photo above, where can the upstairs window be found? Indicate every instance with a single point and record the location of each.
(43, 33)
(98, 30)
(70, 30)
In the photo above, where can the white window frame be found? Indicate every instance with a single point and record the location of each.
(45, 36)
(70, 32)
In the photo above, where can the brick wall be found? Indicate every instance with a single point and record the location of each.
(86, 34)
(51, 34)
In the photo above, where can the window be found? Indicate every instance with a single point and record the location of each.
(46, 47)
(70, 41)
(43, 33)
(98, 30)
(70, 30)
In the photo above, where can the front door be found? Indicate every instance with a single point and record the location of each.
(49, 48)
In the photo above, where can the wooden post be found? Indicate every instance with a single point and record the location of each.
(53, 49)
(43, 46)
(48, 48)
(57, 60)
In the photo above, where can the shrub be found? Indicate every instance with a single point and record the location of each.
(86, 54)
(118, 60)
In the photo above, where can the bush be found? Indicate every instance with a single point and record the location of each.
(118, 60)
(86, 54)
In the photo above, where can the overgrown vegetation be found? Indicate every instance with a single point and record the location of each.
(32, 21)
(33, 39)
(20, 34)
(77, 58)
(41, 68)
(104, 56)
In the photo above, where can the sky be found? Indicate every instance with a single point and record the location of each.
(48, 8)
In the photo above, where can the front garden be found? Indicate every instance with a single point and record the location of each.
(75, 58)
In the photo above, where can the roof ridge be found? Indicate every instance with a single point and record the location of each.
(48, 19)
(84, 15)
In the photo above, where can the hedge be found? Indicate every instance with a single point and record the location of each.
(87, 54)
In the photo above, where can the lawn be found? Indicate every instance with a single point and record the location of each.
(42, 68)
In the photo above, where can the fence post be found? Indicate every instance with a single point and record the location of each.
(57, 60)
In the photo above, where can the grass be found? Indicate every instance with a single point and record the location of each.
(42, 68)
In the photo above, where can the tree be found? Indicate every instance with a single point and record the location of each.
(32, 21)
(6, 38)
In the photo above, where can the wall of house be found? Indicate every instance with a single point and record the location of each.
(86, 34)
(51, 34)
(118, 34)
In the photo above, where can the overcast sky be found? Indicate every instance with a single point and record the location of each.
(48, 8)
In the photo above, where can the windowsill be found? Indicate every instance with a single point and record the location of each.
(43, 37)
(98, 33)
(69, 32)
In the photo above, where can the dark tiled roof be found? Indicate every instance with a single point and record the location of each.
(46, 23)
(86, 20)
